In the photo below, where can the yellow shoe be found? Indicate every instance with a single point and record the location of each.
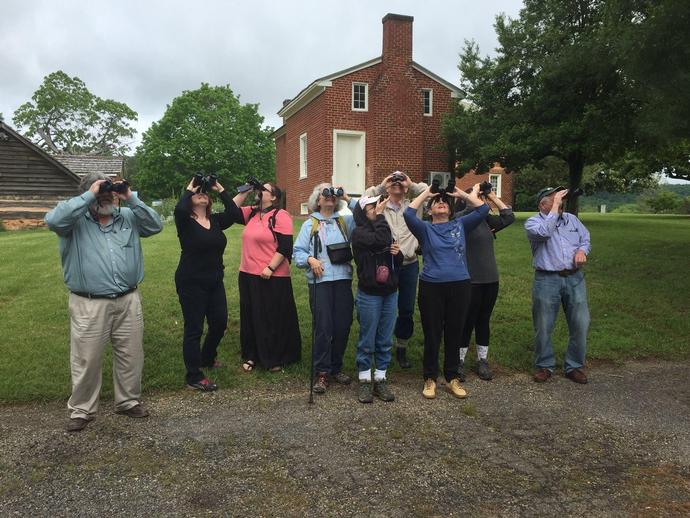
(456, 389)
(429, 391)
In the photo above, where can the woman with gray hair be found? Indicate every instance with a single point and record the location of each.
(322, 249)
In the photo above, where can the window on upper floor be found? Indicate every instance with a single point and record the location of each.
(303, 156)
(495, 180)
(428, 98)
(360, 94)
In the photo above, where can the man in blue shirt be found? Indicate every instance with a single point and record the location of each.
(102, 264)
(560, 245)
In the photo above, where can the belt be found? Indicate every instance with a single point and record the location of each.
(106, 296)
(562, 273)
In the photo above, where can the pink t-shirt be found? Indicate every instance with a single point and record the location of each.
(258, 244)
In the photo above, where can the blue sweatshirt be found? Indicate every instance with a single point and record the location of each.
(329, 234)
(443, 244)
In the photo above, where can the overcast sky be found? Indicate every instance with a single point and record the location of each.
(145, 53)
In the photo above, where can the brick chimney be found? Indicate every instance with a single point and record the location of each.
(397, 39)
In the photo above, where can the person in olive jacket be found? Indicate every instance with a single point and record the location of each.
(378, 260)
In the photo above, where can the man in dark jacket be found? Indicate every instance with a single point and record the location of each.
(378, 260)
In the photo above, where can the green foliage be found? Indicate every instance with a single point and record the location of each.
(205, 130)
(627, 208)
(64, 117)
(663, 202)
(562, 85)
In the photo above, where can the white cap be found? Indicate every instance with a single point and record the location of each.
(368, 200)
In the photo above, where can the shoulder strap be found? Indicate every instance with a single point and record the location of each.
(342, 226)
(314, 225)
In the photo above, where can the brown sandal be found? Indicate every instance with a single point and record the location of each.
(248, 366)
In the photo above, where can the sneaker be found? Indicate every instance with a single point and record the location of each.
(483, 371)
(137, 411)
(461, 371)
(76, 424)
(341, 378)
(365, 393)
(382, 391)
(456, 389)
(542, 375)
(203, 385)
(401, 356)
(429, 391)
(321, 383)
(577, 375)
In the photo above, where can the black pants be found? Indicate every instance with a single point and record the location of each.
(199, 301)
(443, 310)
(331, 305)
(482, 302)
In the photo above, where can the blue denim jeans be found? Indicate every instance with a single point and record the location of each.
(376, 315)
(407, 293)
(550, 291)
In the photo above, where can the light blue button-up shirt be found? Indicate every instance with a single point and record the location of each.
(555, 239)
(102, 260)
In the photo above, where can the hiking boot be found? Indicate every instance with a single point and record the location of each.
(483, 371)
(401, 356)
(456, 389)
(76, 424)
(203, 385)
(341, 378)
(577, 375)
(137, 411)
(429, 391)
(382, 391)
(461, 371)
(321, 383)
(542, 375)
(365, 392)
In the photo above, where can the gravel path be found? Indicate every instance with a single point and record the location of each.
(617, 446)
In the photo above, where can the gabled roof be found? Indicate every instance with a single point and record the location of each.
(36, 149)
(317, 87)
(83, 164)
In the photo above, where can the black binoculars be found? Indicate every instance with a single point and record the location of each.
(485, 188)
(437, 189)
(109, 186)
(250, 184)
(573, 193)
(397, 178)
(332, 192)
(204, 182)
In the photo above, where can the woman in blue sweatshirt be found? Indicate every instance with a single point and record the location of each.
(444, 284)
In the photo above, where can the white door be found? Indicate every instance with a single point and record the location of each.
(348, 161)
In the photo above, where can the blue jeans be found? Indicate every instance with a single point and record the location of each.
(376, 315)
(550, 291)
(407, 293)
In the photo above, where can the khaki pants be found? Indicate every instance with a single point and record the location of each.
(93, 322)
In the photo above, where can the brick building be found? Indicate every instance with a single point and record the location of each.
(356, 126)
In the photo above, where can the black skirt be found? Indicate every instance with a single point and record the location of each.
(269, 330)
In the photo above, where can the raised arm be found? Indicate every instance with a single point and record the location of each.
(505, 215)
(232, 213)
(62, 218)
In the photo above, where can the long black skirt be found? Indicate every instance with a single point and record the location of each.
(269, 330)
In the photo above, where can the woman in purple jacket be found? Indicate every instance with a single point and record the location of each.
(444, 284)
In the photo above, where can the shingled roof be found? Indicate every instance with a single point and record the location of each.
(83, 164)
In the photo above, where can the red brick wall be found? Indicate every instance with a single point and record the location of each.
(398, 135)
(470, 179)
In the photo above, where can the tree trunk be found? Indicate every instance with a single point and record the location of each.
(576, 164)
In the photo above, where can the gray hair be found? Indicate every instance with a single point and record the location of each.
(313, 203)
(88, 180)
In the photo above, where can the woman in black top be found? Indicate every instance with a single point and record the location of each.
(199, 279)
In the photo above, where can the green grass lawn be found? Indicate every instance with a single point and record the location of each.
(636, 276)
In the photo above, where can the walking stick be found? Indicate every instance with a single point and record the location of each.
(313, 322)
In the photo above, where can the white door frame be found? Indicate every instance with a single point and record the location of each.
(363, 137)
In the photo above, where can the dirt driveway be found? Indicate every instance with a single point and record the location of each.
(618, 446)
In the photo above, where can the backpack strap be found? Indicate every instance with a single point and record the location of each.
(343, 227)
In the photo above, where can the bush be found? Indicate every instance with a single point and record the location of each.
(663, 202)
(628, 208)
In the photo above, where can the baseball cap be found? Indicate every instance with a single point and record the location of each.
(546, 191)
(368, 200)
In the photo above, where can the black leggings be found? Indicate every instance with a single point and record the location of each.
(443, 310)
(482, 301)
(199, 301)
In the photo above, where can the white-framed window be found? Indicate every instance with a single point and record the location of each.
(495, 180)
(360, 97)
(303, 209)
(303, 155)
(428, 101)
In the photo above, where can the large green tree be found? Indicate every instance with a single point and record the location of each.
(205, 130)
(558, 86)
(65, 117)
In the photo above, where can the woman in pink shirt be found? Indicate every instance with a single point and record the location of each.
(269, 330)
